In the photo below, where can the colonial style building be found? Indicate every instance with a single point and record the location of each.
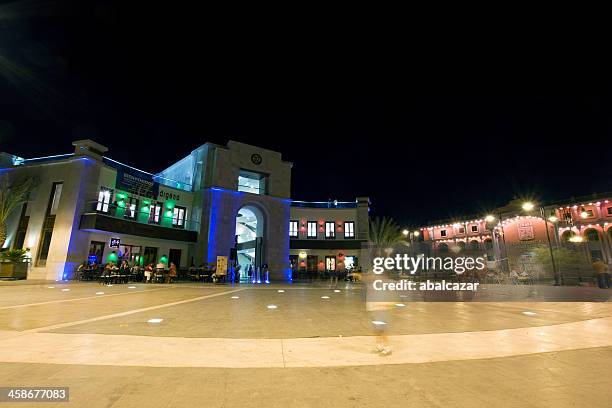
(217, 201)
(585, 222)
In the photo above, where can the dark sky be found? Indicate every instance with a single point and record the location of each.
(426, 136)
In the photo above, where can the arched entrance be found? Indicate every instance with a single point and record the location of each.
(250, 228)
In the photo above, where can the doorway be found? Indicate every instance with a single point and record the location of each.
(174, 256)
(249, 239)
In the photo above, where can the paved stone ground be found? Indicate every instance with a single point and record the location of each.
(577, 377)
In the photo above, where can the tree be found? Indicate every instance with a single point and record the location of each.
(384, 232)
(11, 196)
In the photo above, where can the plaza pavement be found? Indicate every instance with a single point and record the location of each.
(223, 346)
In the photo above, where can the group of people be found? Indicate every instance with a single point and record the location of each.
(124, 268)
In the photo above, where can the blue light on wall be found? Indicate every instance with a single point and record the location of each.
(215, 202)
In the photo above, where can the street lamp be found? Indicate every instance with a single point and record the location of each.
(405, 232)
(490, 218)
(528, 206)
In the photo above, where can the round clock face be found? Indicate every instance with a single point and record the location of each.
(256, 159)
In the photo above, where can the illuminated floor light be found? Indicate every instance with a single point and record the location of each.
(155, 320)
(281, 291)
(109, 285)
(378, 322)
(324, 297)
(235, 297)
(400, 305)
(65, 290)
(131, 287)
(337, 290)
(50, 287)
(271, 306)
(529, 313)
(99, 293)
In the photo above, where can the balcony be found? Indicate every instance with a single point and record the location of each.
(117, 219)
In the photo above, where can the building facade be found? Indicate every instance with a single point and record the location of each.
(510, 233)
(229, 201)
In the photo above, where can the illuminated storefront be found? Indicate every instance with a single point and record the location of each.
(229, 201)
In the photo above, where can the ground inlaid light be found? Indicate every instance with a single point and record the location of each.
(281, 291)
(378, 322)
(109, 285)
(271, 306)
(99, 293)
(324, 297)
(65, 290)
(337, 290)
(529, 313)
(131, 287)
(50, 287)
(155, 320)
(400, 305)
(235, 297)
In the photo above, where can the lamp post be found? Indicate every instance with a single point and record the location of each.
(410, 235)
(502, 254)
(528, 206)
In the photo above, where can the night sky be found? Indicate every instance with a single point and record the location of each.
(423, 142)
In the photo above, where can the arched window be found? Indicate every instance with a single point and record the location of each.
(565, 237)
(474, 245)
(591, 235)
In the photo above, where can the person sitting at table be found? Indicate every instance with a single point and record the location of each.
(160, 265)
(109, 267)
(148, 272)
(171, 273)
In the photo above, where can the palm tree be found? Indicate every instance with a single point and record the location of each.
(11, 196)
(384, 232)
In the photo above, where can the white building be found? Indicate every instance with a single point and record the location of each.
(216, 200)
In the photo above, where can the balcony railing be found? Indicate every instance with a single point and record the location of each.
(117, 218)
(142, 215)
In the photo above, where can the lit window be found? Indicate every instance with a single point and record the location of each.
(251, 182)
(312, 229)
(154, 213)
(104, 197)
(293, 229)
(330, 229)
(131, 209)
(179, 214)
(349, 229)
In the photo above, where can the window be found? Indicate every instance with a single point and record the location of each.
(104, 197)
(474, 228)
(131, 208)
(442, 233)
(48, 224)
(330, 263)
(609, 210)
(96, 252)
(293, 229)
(251, 182)
(349, 229)
(179, 214)
(57, 194)
(461, 230)
(154, 213)
(312, 229)
(330, 230)
(590, 213)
